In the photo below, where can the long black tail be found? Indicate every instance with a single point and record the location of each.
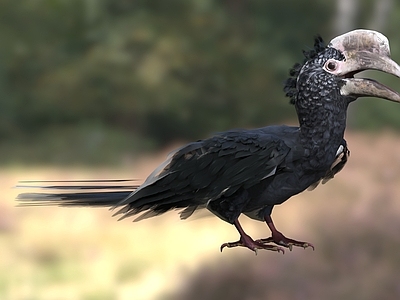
(106, 193)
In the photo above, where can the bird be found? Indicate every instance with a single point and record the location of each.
(249, 171)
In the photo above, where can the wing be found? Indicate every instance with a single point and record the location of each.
(207, 170)
(342, 156)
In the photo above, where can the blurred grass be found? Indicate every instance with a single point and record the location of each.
(83, 144)
(79, 253)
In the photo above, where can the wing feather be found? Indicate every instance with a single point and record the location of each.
(204, 171)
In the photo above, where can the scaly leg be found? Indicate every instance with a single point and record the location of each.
(246, 241)
(279, 239)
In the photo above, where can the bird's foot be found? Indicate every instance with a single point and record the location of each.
(279, 239)
(248, 242)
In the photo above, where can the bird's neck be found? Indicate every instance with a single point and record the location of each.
(322, 131)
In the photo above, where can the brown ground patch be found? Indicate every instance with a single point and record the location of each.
(80, 253)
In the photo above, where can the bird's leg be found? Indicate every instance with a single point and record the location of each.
(246, 241)
(278, 238)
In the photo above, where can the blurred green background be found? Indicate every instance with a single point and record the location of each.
(97, 89)
(81, 79)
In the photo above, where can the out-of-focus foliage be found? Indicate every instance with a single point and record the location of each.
(166, 70)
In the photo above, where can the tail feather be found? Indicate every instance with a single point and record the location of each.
(108, 193)
(68, 193)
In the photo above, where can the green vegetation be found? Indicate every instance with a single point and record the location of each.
(155, 70)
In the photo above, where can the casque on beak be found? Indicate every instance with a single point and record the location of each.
(365, 50)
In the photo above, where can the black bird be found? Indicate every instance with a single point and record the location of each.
(250, 171)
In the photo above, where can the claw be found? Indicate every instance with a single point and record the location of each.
(252, 245)
(285, 242)
(306, 245)
(230, 245)
(279, 239)
(248, 242)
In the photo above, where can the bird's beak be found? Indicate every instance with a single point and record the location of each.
(365, 50)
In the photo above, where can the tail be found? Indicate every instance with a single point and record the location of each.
(94, 193)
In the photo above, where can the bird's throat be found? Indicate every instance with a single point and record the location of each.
(323, 134)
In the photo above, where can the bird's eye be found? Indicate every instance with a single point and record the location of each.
(331, 65)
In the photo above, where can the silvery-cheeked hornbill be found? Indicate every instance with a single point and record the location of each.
(250, 171)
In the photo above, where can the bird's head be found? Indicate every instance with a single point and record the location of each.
(327, 74)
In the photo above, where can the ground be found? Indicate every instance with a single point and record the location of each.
(82, 253)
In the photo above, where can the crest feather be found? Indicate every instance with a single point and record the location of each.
(290, 84)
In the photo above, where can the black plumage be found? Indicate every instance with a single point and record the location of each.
(250, 171)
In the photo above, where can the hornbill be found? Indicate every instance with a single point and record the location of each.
(250, 171)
